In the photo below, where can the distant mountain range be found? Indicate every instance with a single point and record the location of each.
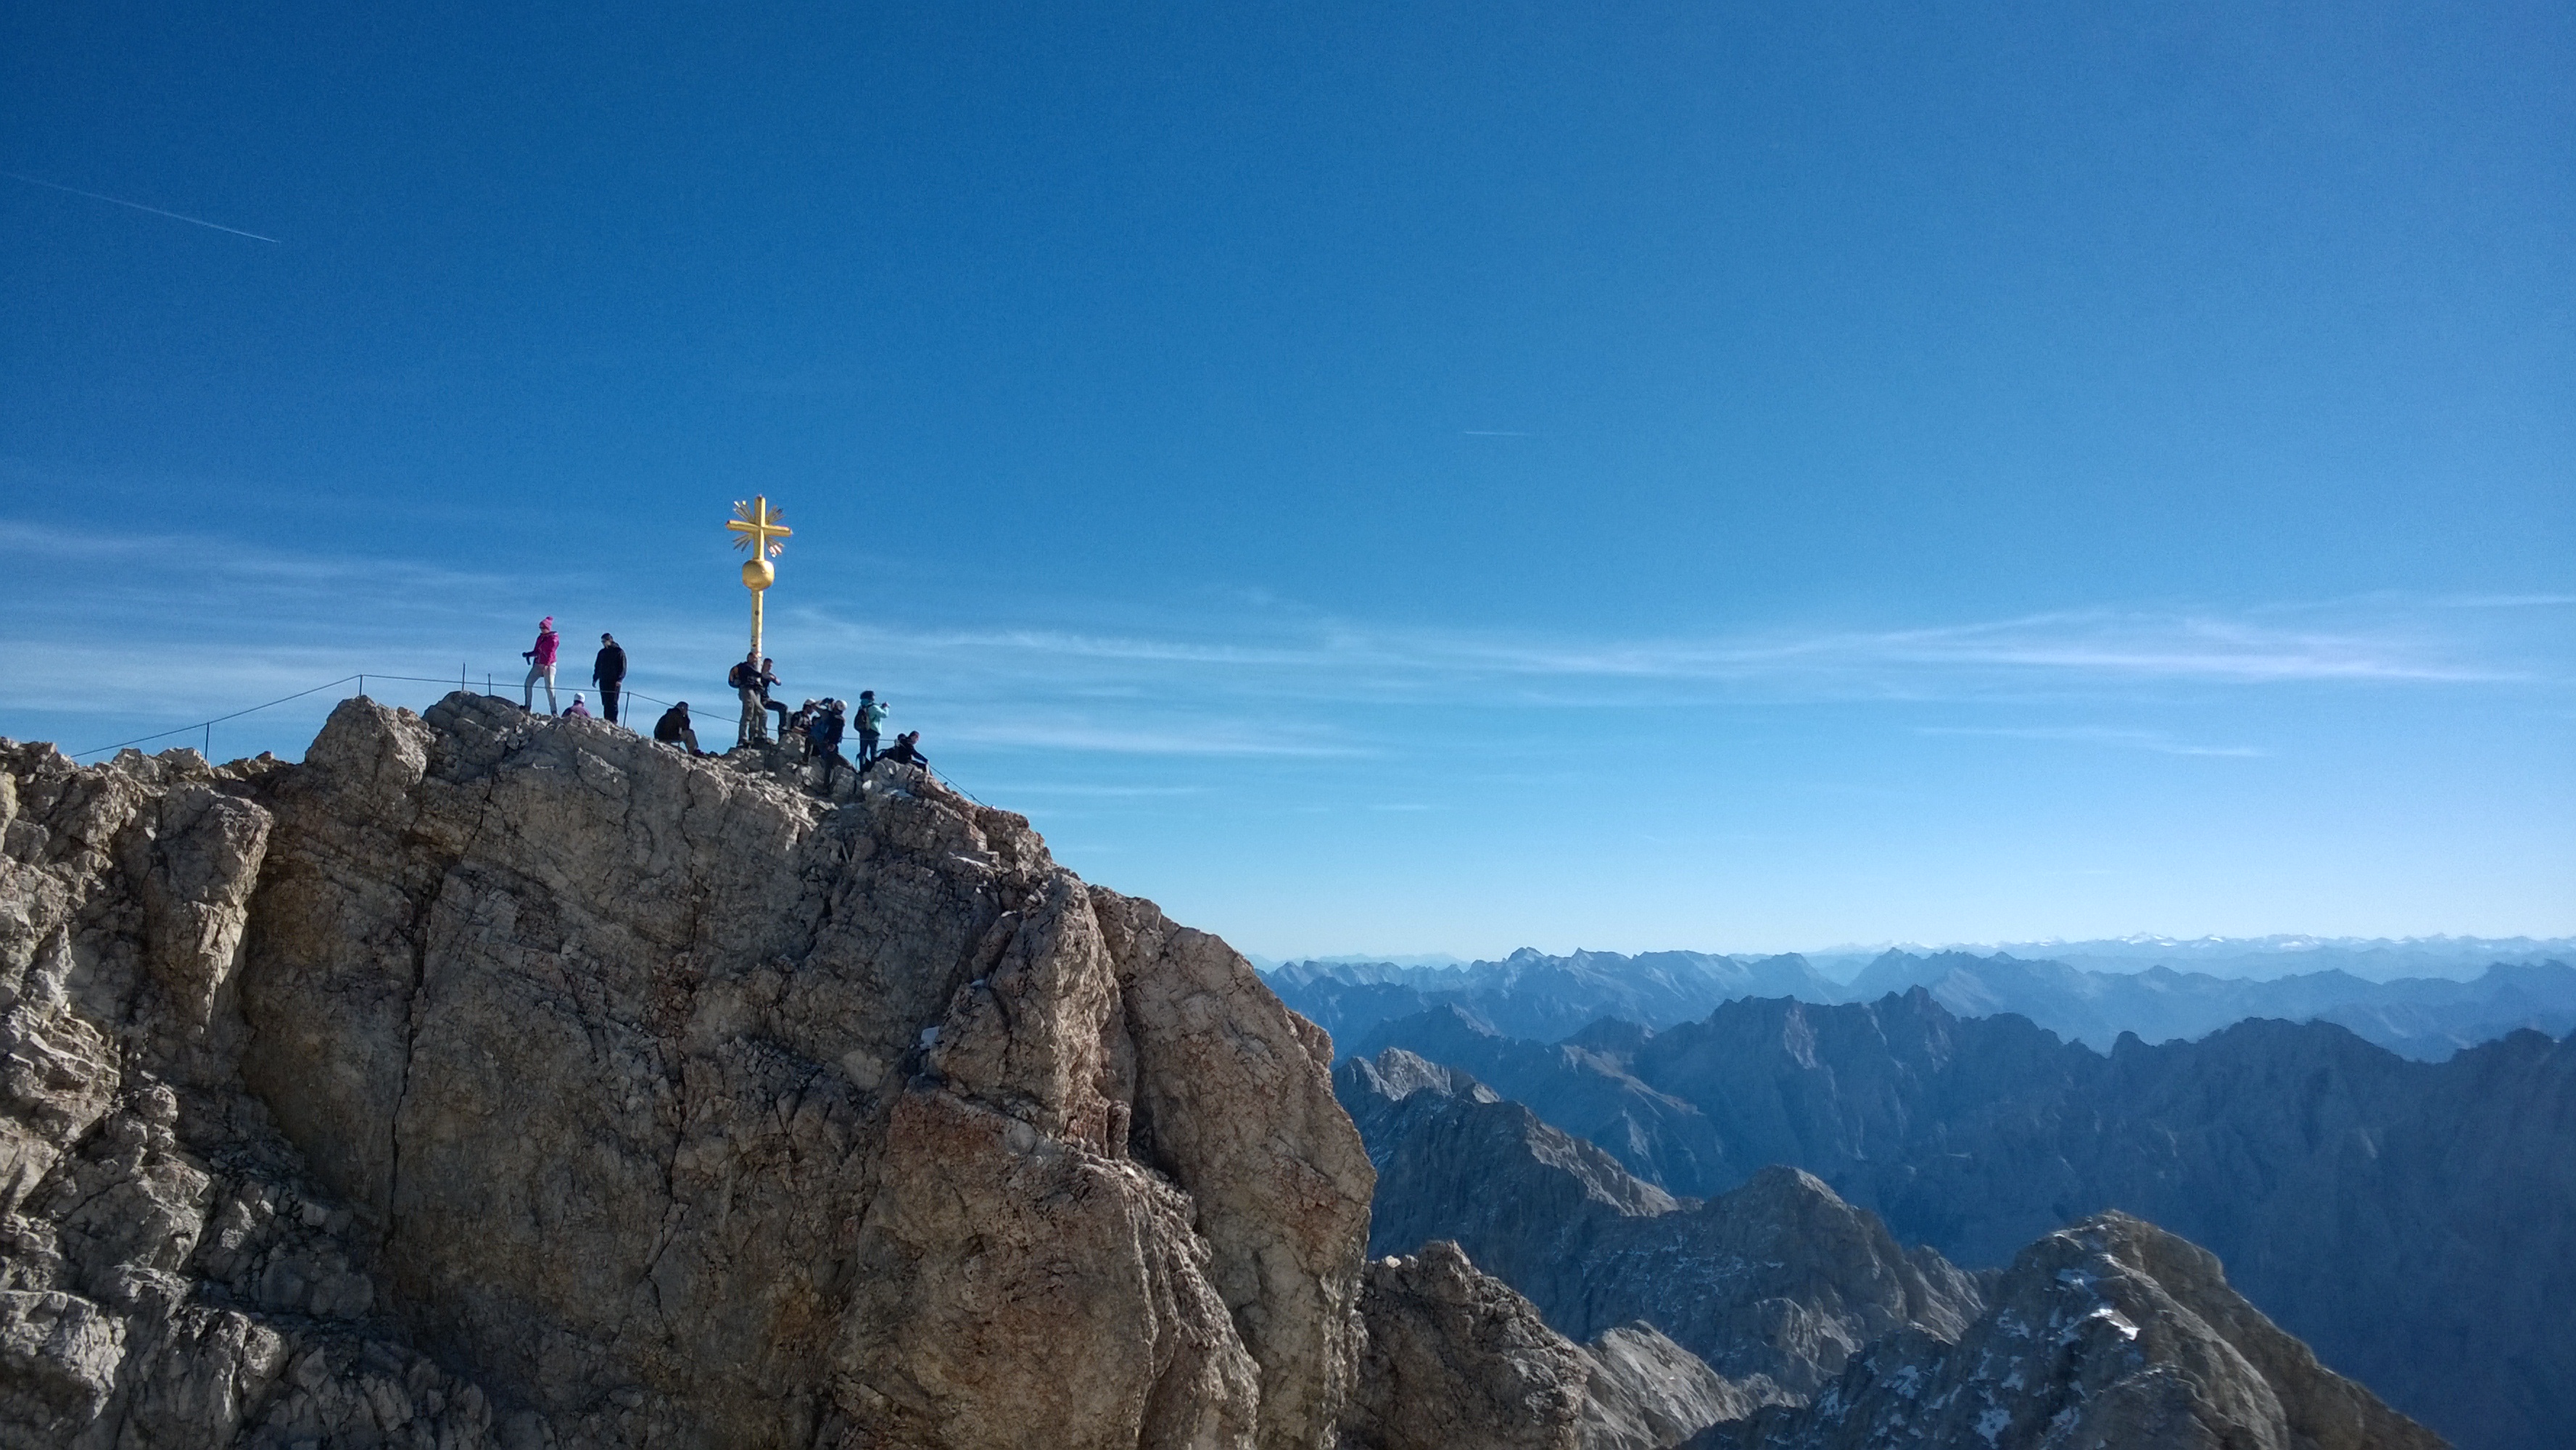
(2414, 1221)
(1546, 998)
(2376, 959)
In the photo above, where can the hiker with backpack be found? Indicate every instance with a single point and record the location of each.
(872, 718)
(541, 666)
(751, 681)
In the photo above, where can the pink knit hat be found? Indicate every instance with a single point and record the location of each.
(546, 623)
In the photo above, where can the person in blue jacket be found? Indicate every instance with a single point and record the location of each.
(872, 718)
(823, 740)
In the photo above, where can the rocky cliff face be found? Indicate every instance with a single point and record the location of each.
(2413, 1221)
(2111, 1332)
(489, 1080)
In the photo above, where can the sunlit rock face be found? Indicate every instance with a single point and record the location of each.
(488, 1079)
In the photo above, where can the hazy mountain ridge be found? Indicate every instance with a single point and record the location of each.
(2415, 1222)
(2422, 1017)
(1529, 995)
(2373, 959)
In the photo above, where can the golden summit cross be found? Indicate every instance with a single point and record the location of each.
(758, 527)
(757, 522)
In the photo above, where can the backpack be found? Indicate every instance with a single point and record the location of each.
(826, 729)
(738, 678)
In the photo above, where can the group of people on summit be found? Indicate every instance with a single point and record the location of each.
(818, 725)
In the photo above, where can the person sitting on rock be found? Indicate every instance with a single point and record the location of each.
(792, 730)
(674, 729)
(578, 709)
(904, 751)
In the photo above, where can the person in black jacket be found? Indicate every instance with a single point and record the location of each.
(823, 739)
(674, 729)
(904, 751)
(608, 672)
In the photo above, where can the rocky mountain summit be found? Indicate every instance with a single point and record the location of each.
(490, 1080)
(496, 1080)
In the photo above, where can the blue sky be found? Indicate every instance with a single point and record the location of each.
(1430, 478)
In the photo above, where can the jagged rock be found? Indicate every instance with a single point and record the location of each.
(1457, 1361)
(497, 1080)
(2112, 1333)
(1775, 1284)
(1644, 1392)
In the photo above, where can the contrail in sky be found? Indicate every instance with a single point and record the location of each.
(138, 206)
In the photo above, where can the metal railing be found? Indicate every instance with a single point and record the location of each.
(463, 681)
(206, 728)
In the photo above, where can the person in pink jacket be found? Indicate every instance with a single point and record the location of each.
(541, 666)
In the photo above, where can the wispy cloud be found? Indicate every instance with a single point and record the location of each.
(2154, 740)
(2506, 601)
(170, 625)
(1218, 738)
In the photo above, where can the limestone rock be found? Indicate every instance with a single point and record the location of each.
(1457, 1361)
(1455, 1358)
(488, 1079)
(1644, 1392)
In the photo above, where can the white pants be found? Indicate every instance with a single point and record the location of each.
(528, 688)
